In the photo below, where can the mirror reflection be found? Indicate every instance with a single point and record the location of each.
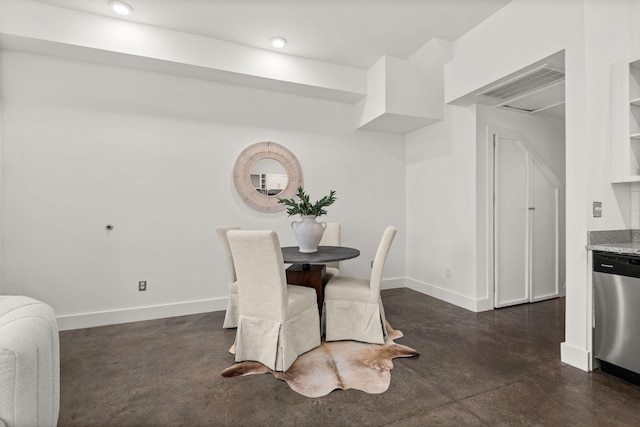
(268, 176)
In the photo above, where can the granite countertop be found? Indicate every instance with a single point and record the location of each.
(617, 241)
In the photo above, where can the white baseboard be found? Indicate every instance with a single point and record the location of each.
(136, 314)
(575, 356)
(451, 297)
(398, 282)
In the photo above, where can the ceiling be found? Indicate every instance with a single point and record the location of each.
(353, 33)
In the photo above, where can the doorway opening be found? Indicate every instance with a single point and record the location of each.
(521, 197)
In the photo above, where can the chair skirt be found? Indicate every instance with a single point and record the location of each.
(278, 344)
(354, 320)
(233, 312)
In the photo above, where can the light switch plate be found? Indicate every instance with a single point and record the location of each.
(597, 209)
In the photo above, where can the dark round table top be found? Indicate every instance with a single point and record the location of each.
(292, 254)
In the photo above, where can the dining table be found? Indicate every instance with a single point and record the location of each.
(309, 269)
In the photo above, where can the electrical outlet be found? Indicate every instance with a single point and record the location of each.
(597, 209)
(447, 271)
(142, 285)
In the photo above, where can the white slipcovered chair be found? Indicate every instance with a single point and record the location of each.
(278, 322)
(232, 313)
(29, 363)
(353, 307)
(331, 237)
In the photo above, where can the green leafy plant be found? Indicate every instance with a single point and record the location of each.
(304, 206)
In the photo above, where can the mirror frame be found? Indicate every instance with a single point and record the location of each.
(242, 175)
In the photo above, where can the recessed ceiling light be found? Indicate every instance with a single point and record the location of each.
(120, 7)
(278, 42)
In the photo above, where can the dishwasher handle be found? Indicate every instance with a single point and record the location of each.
(619, 264)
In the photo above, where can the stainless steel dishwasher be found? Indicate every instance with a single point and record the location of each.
(616, 281)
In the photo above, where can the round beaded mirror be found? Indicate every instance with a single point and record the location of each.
(260, 187)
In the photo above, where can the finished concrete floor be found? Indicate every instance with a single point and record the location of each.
(494, 368)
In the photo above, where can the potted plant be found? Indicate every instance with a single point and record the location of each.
(308, 231)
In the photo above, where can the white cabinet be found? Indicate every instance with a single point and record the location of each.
(276, 181)
(526, 218)
(258, 180)
(625, 121)
(269, 184)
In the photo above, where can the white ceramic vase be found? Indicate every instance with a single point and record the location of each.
(308, 233)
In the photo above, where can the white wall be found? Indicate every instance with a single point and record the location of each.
(516, 36)
(610, 40)
(87, 145)
(441, 208)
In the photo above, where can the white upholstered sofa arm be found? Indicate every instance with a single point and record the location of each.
(29, 363)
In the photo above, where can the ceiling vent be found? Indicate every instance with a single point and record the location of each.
(526, 83)
(535, 90)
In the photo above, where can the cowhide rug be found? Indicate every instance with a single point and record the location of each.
(336, 365)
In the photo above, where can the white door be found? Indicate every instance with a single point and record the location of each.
(511, 222)
(525, 227)
(544, 235)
